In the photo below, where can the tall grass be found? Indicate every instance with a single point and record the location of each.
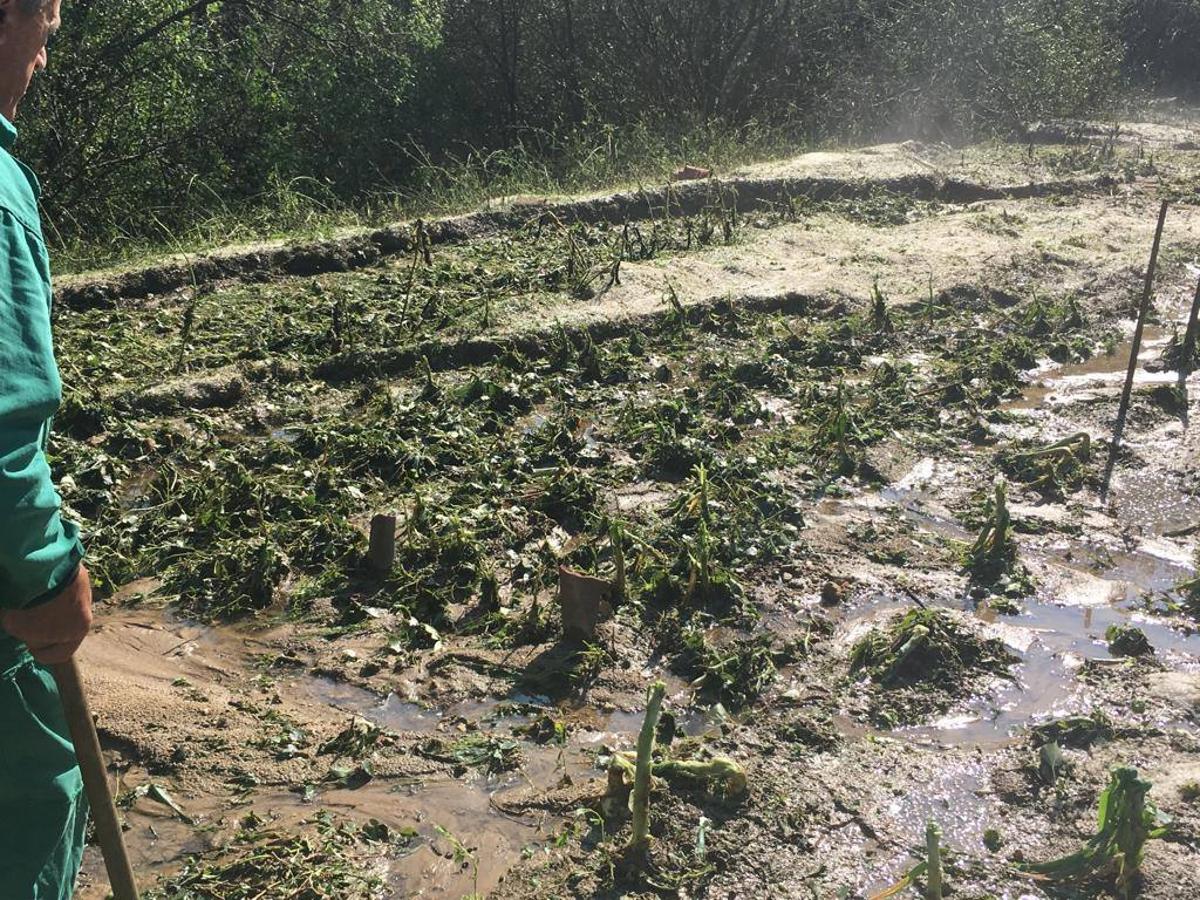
(606, 158)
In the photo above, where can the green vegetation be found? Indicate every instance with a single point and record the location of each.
(328, 860)
(639, 801)
(1079, 732)
(1126, 821)
(735, 674)
(931, 868)
(1190, 591)
(922, 662)
(994, 552)
(257, 499)
(1127, 640)
(741, 451)
(933, 862)
(229, 121)
(1054, 470)
(926, 645)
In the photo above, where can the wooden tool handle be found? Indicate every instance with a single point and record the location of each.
(95, 780)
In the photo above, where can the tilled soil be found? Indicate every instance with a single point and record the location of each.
(780, 420)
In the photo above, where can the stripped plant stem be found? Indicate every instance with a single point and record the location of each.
(639, 841)
(617, 536)
(933, 862)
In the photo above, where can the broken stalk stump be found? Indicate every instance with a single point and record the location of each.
(585, 602)
(381, 554)
(933, 862)
(1143, 311)
(639, 802)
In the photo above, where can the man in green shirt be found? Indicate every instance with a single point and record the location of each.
(45, 596)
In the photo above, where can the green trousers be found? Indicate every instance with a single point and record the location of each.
(43, 812)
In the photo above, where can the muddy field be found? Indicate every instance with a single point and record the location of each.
(766, 416)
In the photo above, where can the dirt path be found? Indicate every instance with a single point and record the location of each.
(793, 417)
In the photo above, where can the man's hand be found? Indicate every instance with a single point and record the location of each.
(54, 630)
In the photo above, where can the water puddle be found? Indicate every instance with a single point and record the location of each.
(1155, 502)
(435, 813)
(1086, 588)
(954, 798)
(1055, 384)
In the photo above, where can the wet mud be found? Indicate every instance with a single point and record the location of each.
(783, 478)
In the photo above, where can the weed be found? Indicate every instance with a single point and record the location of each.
(185, 333)
(735, 674)
(838, 437)
(1078, 732)
(588, 663)
(880, 316)
(1190, 590)
(569, 497)
(493, 755)
(233, 578)
(617, 540)
(463, 856)
(356, 740)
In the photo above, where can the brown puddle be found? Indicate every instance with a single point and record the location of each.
(1063, 384)
(158, 839)
(147, 650)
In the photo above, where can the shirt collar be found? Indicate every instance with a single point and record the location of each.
(8, 133)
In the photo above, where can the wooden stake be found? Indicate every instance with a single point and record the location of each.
(381, 555)
(1189, 339)
(1143, 311)
(95, 780)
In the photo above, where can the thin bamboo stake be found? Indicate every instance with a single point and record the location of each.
(1189, 339)
(1126, 395)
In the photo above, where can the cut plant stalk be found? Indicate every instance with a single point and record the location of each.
(639, 801)
(930, 868)
(381, 553)
(933, 862)
(1127, 393)
(617, 537)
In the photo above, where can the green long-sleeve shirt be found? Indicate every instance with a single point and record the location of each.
(39, 551)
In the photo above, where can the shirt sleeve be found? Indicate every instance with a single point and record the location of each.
(39, 552)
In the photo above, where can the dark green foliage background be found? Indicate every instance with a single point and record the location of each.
(159, 114)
